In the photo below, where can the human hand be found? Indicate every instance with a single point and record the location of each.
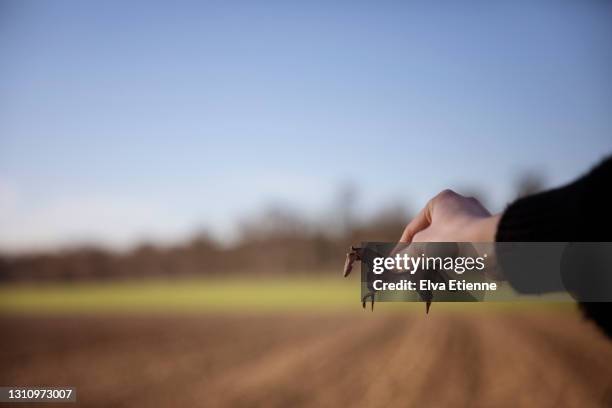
(451, 217)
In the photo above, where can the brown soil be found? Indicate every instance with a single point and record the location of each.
(375, 360)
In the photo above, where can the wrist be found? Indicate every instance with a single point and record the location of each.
(485, 228)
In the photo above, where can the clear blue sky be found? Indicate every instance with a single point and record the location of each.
(121, 121)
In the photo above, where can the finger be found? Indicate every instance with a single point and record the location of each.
(418, 223)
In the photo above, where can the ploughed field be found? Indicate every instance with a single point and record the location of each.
(447, 358)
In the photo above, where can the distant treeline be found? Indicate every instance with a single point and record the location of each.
(273, 244)
(278, 241)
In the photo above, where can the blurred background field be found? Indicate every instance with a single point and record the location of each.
(262, 295)
(313, 358)
(284, 294)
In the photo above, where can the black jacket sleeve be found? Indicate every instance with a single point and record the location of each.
(578, 212)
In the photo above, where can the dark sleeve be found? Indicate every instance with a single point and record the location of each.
(580, 212)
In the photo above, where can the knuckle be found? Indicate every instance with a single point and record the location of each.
(446, 193)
